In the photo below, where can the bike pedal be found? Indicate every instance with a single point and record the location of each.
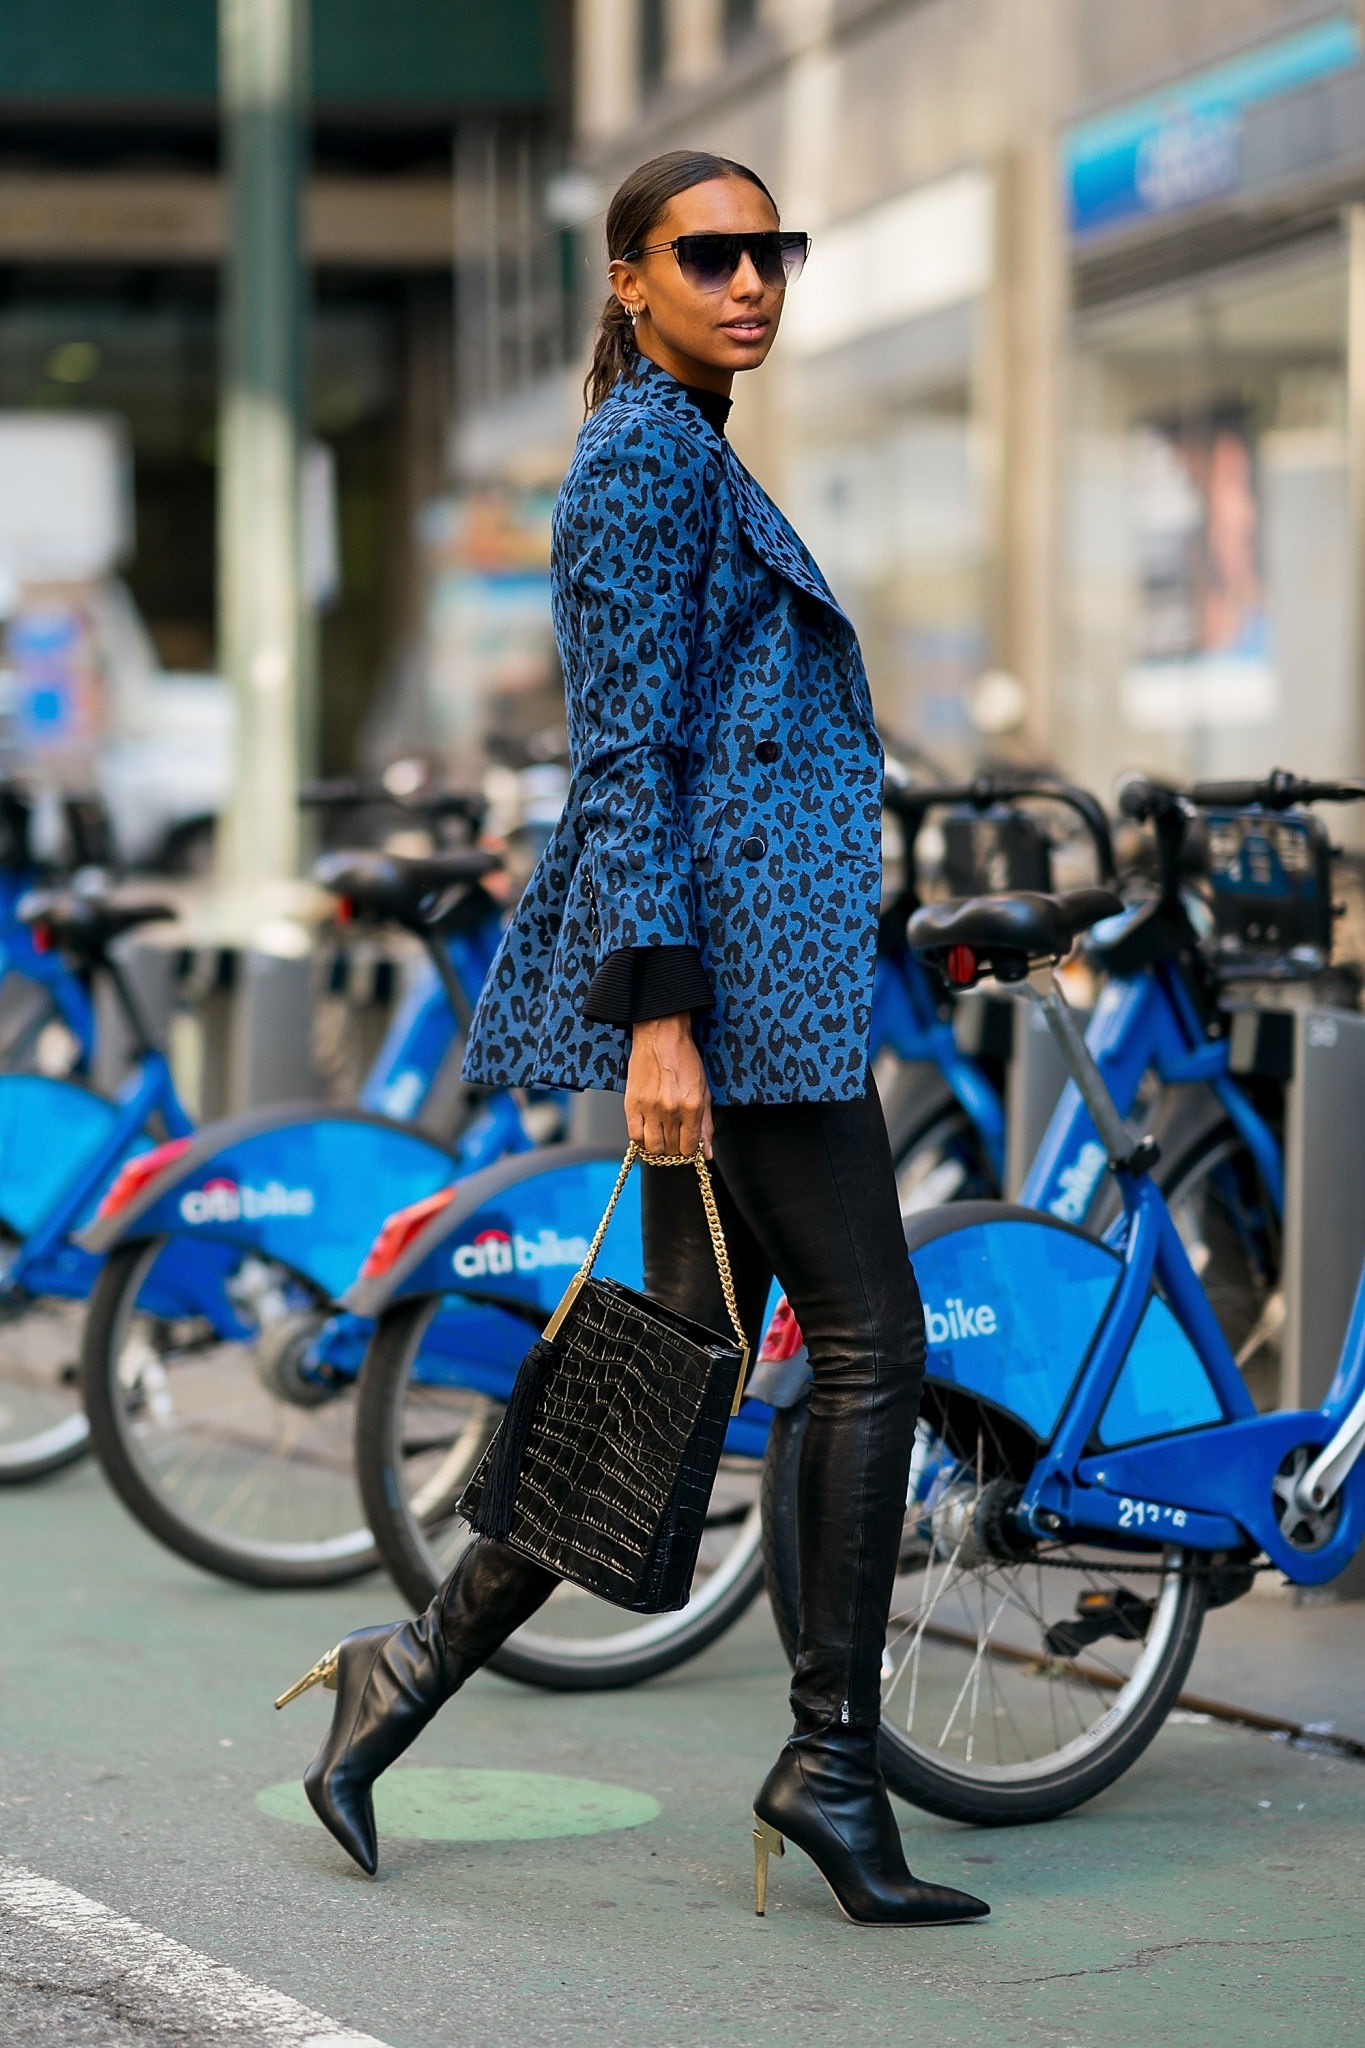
(1119, 1613)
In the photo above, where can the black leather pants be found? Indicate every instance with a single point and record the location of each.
(806, 1191)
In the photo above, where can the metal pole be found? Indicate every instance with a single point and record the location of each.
(1353, 742)
(492, 274)
(262, 66)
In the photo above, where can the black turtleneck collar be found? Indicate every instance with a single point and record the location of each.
(714, 409)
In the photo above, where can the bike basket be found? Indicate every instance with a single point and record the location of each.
(1270, 877)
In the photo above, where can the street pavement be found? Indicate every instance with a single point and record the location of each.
(160, 1882)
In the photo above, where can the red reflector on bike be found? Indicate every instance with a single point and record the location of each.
(961, 966)
(400, 1230)
(782, 1339)
(42, 938)
(344, 913)
(134, 1175)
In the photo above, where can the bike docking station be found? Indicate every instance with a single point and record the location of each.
(237, 1020)
(1035, 1078)
(1319, 1054)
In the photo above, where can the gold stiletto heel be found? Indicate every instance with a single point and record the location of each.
(767, 1842)
(324, 1672)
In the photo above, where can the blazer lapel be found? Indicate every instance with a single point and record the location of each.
(772, 539)
(765, 529)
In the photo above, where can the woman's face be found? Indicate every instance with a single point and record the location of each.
(703, 337)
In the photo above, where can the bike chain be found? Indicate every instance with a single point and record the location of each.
(1156, 1571)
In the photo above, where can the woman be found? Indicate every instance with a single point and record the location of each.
(701, 931)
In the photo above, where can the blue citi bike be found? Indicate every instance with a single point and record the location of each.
(217, 1380)
(1092, 1472)
(66, 1149)
(61, 1143)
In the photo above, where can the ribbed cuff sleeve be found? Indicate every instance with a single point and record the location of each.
(636, 983)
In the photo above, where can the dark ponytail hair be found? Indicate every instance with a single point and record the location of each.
(638, 202)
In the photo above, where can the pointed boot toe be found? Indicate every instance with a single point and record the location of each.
(347, 1812)
(956, 1905)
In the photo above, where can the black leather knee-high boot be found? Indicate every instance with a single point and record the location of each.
(390, 1681)
(826, 1792)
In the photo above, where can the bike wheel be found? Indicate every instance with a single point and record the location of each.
(42, 1423)
(940, 1158)
(231, 1453)
(992, 1713)
(1232, 1234)
(419, 1437)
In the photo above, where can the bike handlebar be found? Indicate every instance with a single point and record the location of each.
(910, 804)
(1278, 792)
(339, 792)
(1142, 799)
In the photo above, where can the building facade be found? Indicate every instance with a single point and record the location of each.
(1069, 401)
(431, 121)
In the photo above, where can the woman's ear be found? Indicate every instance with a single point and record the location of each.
(625, 283)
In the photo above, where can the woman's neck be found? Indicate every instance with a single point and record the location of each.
(686, 369)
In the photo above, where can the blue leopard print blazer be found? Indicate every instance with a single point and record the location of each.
(726, 788)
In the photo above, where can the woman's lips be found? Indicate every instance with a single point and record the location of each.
(745, 330)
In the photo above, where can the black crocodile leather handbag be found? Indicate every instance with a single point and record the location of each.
(603, 1466)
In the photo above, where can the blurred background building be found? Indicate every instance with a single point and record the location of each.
(434, 125)
(1070, 402)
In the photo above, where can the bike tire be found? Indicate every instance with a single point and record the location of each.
(113, 1438)
(641, 1649)
(48, 1451)
(43, 1428)
(954, 1793)
(939, 1157)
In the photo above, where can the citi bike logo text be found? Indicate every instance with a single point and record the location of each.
(1079, 1181)
(497, 1251)
(230, 1201)
(956, 1321)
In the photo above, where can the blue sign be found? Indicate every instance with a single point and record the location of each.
(1181, 146)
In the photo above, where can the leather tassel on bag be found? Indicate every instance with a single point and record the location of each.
(498, 1502)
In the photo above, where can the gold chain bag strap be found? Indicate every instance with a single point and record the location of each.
(603, 1466)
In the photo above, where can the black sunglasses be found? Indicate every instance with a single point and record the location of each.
(708, 262)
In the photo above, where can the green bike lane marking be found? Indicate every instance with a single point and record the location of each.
(482, 1806)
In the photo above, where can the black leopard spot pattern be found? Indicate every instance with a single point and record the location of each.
(726, 788)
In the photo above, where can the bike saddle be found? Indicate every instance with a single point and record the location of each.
(85, 922)
(401, 889)
(1005, 935)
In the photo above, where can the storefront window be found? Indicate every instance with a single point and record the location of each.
(891, 501)
(1206, 585)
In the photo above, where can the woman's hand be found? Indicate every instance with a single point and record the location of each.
(668, 1104)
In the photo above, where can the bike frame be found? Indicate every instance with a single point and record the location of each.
(1142, 1023)
(417, 1041)
(1209, 1488)
(19, 955)
(47, 1262)
(389, 1160)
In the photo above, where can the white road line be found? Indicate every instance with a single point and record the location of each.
(225, 2001)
